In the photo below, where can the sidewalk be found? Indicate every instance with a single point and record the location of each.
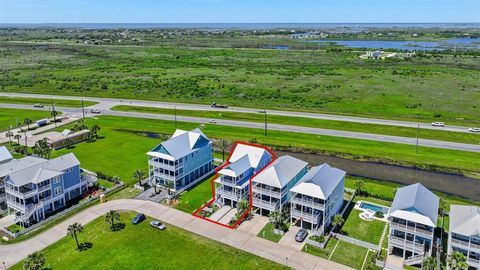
(14, 253)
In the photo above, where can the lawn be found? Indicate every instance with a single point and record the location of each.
(142, 247)
(324, 253)
(125, 193)
(192, 199)
(368, 231)
(316, 123)
(105, 183)
(9, 117)
(349, 254)
(47, 102)
(267, 233)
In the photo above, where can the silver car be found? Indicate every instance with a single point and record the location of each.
(157, 225)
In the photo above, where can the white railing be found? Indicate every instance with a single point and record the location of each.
(411, 229)
(46, 187)
(28, 212)
(19, 194)
(473, 262)
(310, 203)
(17, 206)
(163, 165)
(417, 259)
(407, 243)
(465, 244)
(227, 194)
(268, 192)
(257, 202)
(164, 176)
(305, 216)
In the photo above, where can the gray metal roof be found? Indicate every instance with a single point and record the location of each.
(5, 155)
(416, 203)
(320, 181)
(182, 142)
(35, 170)
(281, 171)
(465, 220)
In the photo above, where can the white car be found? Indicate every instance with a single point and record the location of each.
(476, 130)
(212, 121)
(438, 124)
(157, 225)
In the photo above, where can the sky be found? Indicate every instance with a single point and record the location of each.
(239, 11)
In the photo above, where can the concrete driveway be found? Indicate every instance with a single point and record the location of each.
(254, 225)
(288, 239)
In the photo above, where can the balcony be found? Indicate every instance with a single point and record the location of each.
(230, 182)
(465, 245)
(411, 229)
(306, 202)
(24, 193)
(46, 199)
(46, 187)
(404, 243)
(164, 176)
(163, 165)
(17, 206)
(309, 217)
(268, 192)
(229, 194)
(272, 206)
(473, 262)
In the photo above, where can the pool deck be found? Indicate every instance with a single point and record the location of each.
(385, 217)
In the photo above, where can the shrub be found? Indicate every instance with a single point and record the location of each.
(379, 214)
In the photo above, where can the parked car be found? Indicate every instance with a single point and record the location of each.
(157, 225)
(138, 219)
(37, 105)
(301, 235)
(212, 121)
(477, 130)
(438, 124)
(95, 111)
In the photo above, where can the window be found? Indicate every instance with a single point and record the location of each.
(58, 191)
(56, 180)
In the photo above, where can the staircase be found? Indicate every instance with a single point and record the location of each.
(28, 213)
(417, 259)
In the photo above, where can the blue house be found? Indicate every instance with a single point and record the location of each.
(36, 187)
(184, 160)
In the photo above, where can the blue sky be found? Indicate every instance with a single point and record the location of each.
(249, 11)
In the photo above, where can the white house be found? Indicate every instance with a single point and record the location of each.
(233, 183)
(5, 157)
(317, 197)
(464, 233)
(271, 186)
(413, 218)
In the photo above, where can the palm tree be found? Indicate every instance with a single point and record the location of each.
(28, 122)
(429, 263)
(17, 137)
(163, 137)
(110, 218)
(169, 185)
(277, 218)
(337, 220)
(359, 184)
(224, 145)
(34, 261)
(73, 230)
(95, 129)
(138, 176)
(242, 206)
(9, 135)
(457, 261)
(54, 114)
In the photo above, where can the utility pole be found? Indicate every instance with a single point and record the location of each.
(54, 113)
(175, 112)
(265, 119)
(418, 131)
(83, 110)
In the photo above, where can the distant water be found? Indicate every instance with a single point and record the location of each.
(251, 26)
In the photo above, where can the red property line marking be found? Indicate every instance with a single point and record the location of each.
(212, 200)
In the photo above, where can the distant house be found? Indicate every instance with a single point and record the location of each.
(464, 233)
(57, 140)
(413, 218)
(317, 197)
(5, 157)
(271, 187)
(184, 159)
(233, 183)
(36, 187)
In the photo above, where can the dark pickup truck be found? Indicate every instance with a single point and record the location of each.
(215, 105)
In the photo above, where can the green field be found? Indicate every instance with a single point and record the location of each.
(46, 102)
(316, 123)
(439, 87)
(349, 254)
(368, 231)
(9, 117)
(192, 199)
(142, 247)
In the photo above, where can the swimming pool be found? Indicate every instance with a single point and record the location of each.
(374, 207)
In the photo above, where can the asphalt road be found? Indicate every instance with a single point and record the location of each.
(105, 105)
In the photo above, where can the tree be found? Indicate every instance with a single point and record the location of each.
(67, 142)
(95, 129)
(110, 218)
(138, 176)
(169, 185)
(42, 149)
(359, 184)
(9, 135)
(34, 261)
(73, 230)
(28, 122)
(224, 145)
(429, 263)
(17, 137)
(242, 206)
(337, 220)
(457, 261)
(163, 137)
(278, 218)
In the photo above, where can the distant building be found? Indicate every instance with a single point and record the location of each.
(5, 157)
(184, 159)
(464, 233)
(57, 140)
(233, 183)
(317, 197)
(413, 218)
(36, 187)
(271, 187)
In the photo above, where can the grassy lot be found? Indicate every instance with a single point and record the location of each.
(8, 117)
(267, 233)
(324, 253)
(192, 199)
(121, 139)
(349, 254)
(47, 102)
(316, 123)
(440, 87)
(105, 183)
(368, 231)
(142, 247)
(125, 193)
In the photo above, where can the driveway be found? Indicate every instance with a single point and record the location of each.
(288, 239)
(254, 225)
(7, 221)
(14, 253)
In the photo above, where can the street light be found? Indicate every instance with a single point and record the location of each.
(264, 120)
